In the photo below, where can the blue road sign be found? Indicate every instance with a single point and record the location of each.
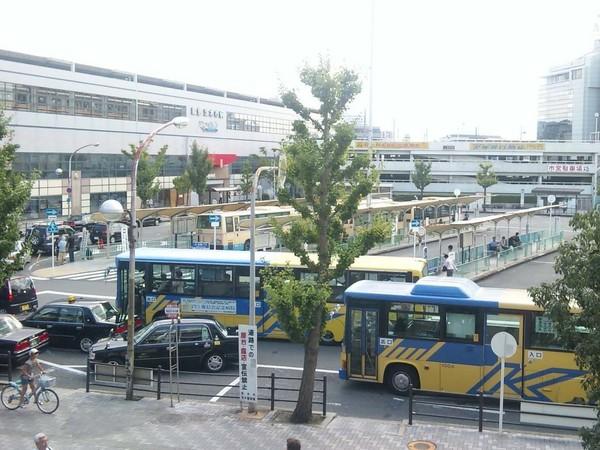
(415, 223)
(51, 212)
(201, 245)
(52, 228)
(214, 219)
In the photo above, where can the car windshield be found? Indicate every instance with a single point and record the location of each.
(141, 334)
(21, 283)
(104, 312)
(9, 324)
(221, 328)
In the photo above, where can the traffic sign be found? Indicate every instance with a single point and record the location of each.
(52, 218)
(172, 310)
(201, 245)
(214, 219)
(52, 228)
(503, 344)
(51, 212)
(551, 199)
(415, 223)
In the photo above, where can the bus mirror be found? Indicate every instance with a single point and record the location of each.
(476, 337)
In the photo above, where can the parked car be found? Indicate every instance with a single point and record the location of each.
(77, 324)
(41, 240)
(26, 257)
(150, 221)
(19, 340)
(98, 231)
(76, 222)
(18, 295)
(204, 343)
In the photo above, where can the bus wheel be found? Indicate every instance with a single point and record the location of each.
(400, 376)
(328, 338)
(247, 245)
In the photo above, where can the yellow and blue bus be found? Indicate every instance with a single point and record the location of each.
(216, 283)
(436, 335)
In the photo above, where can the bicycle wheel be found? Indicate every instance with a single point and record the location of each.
(47, 401)
(10, 396)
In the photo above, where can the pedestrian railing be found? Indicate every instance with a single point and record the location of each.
(6, 367)
(271, 389)
(484, 409)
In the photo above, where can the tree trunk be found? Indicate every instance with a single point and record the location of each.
(303, 411)
(484, 197)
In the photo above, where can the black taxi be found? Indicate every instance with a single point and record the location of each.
(203, 344)
(74, 323)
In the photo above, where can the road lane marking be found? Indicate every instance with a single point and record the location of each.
(466, 408)
(74, 276)
(40, 278)
(68, 294)
(225, 390)
(542, 262)
(61, 367)
(267, 366)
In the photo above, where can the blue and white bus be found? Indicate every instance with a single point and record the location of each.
(216, 283)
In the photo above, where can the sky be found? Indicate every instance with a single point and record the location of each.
(439, 67)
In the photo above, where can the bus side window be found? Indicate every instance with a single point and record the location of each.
(161, 278)
(243, 282)
(217, 281)
(229, 224)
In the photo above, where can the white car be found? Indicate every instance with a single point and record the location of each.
(18, 248)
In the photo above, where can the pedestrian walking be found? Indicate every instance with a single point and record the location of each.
(62, 249)
(71, 247)
(41, 442)
(450, 261)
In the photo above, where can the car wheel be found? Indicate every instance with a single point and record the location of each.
(116, 362)
(85, 344)
(328, 338)
(400, 377)
(215, 362)
(35, 240)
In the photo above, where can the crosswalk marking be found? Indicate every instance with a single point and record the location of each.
(72, 275)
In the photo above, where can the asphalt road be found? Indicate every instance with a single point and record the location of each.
(282, 357)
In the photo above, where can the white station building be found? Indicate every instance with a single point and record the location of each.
(57, 106)
(527, 172)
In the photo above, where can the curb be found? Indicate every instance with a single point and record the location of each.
(488, 274)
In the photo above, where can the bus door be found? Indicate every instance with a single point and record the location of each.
(362, 350)
(513, 371)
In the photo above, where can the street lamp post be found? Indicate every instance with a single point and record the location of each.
(70, 190)
(178, 122)
(597, 137)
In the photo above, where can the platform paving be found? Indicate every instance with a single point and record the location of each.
(106, 421)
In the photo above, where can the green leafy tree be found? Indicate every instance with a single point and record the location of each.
(246, 180)
(573, 303)
(182, 185)
(333, 187)
(486, 177)
(198, 168)
(149, 168)
(421, 177)
(15, 190)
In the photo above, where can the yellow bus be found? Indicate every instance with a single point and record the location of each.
(216, 283)
(230, 230)
(436, 335)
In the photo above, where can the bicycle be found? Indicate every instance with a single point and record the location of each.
(47, 400)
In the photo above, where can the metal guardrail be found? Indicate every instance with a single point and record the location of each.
(480, 404)
(156, 382)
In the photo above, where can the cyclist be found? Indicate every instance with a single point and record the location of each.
(28, 374)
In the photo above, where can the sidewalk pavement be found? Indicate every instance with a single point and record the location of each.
(79, 266)
(106, 421)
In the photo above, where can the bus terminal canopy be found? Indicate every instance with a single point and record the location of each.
(461, 225)
(377, 205)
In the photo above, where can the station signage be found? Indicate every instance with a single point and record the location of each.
(568, 168)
